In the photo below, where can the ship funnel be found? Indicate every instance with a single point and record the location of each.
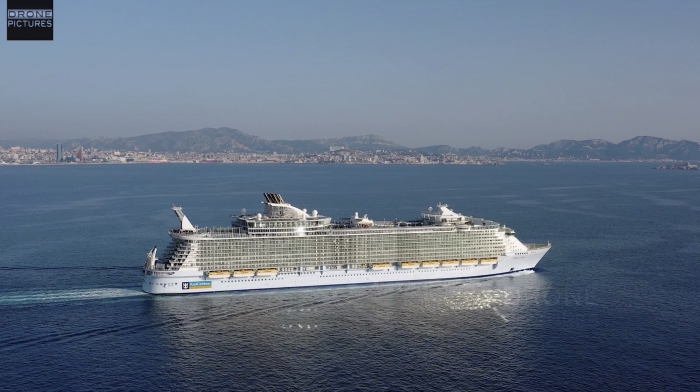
(185, 224)
(273, 198)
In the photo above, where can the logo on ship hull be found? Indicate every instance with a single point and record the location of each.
(202, 284)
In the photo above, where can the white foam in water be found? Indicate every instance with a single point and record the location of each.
(65, 295)
(521, 273)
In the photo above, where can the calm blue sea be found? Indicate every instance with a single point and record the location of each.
(614, 305)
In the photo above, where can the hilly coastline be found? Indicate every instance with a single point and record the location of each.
(212, 140)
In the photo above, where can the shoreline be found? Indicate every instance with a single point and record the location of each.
(499, 163)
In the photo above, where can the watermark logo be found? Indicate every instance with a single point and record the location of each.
(30, 20)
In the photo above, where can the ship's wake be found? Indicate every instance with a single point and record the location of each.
(30, 298)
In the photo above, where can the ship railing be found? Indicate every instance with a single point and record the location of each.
(225, 235)
(228, 232)
(216, 232)
(391, 229)
(537, 246)
(341, 225)
(487, 227)
(211, 230)
(160, 272)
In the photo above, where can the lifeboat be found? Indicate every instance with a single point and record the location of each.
(450, 263)
(267, 272)
(219, 274)
(410, 265)
(491, 260)
(470, 262)
(431, 264)
(381, 266)
(246, 273)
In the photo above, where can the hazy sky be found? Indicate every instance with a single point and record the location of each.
(489, 73)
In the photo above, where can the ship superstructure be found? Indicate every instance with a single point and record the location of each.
(285, 246)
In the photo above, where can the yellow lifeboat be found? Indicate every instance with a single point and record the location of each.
(219, 274)
(243, 273)
(381, 266)
(491, 260)
(450, 263)
(267, 272)
(410, 264)
(431, 264)
(470, 262)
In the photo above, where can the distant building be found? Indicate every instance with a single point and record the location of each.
(59, 153)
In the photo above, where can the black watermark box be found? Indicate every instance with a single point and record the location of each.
(30, 20)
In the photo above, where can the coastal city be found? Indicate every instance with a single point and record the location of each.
(336, 155)
(35, 156)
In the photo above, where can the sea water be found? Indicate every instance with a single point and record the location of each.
(614, 305)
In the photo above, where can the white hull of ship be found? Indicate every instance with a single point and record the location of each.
(183, 282)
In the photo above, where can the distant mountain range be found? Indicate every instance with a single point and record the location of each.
(209, 140)
(213, 140)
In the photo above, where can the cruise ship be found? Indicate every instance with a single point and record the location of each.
(285, 246)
